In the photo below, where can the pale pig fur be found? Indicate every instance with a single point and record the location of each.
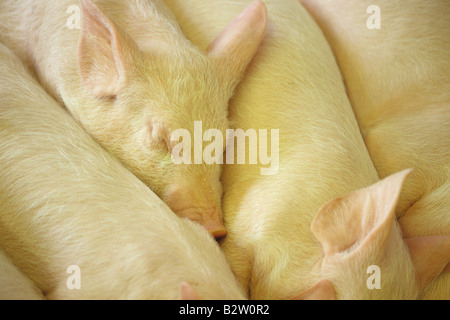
(64, 200)
(14, 285)
(131, 81)
(294, 85)
(398, 80)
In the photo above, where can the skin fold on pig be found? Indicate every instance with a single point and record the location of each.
(398, 81)
(65, 201)
(313, 230)
(131, 78)
(14, 285)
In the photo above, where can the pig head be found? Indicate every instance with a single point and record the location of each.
(138, 97)
(360, 236)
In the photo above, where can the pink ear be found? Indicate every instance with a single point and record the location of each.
(431, 257)
(361, 218)
(322, 290)
(104, 52)
(235, 47)
(187, 292)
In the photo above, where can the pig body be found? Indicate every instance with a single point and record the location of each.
(14, 285)
(67, 204)
(280, 245)
(398, 80)
(131, 79)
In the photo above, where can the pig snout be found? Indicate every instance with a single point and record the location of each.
(197, 205)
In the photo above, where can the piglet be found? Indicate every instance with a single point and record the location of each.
(396, 63)
(131, 79)
(78, 223)
(320, 225)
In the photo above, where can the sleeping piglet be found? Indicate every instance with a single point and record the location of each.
(324, 225)
(131, 79)
(395, 59)
(78, 223)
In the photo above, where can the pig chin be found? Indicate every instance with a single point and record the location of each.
(198, 207)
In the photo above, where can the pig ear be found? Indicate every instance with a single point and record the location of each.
(104, 53)
(360, 219)
(235, 47)
(431, 257)
(322, 290)
(187, 292)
